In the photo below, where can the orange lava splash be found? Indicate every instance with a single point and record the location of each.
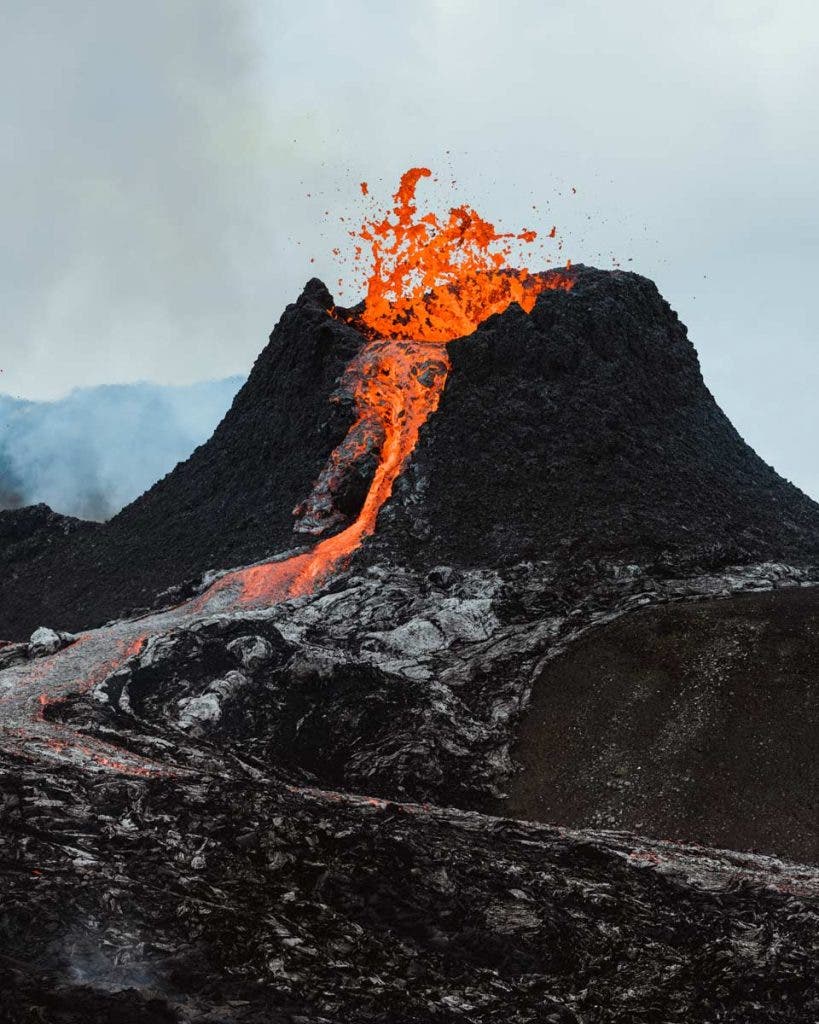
(436, 280)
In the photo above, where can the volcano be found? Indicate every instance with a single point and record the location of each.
(482, 545)
(582, 429)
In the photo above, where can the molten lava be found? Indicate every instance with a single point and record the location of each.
(436, 280)
(431, 281)
(396, 385)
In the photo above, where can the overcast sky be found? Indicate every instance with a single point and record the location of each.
(166, 167)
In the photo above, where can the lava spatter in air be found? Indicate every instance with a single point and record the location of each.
(432, 280)
(435, 279)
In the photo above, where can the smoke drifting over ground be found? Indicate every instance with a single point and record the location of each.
(94, 451)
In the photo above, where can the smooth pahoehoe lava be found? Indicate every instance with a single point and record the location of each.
(431, 280)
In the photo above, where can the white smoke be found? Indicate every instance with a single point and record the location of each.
(97, 449)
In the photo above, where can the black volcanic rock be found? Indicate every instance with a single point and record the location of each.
(222, 812)
(31, 538)
(415, 687)
(230, 503)
(585, 430)
(26, 531)
(229, 898)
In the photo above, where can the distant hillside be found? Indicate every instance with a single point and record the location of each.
(93, 452)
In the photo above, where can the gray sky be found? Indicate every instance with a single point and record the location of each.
(157, 159)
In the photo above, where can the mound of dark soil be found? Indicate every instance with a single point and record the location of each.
(585, 430)
(693, 721)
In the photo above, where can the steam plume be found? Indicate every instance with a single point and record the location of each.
(97, 449)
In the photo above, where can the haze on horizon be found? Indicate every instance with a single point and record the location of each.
(170, 172)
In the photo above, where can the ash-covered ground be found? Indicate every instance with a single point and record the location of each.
(284, 812)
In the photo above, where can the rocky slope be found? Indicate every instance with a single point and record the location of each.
(230, 503)
(30, 537)
(230, 897)
(650, 721)
(585, 430)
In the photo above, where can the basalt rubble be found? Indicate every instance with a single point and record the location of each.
(306, 812)
(233, 897)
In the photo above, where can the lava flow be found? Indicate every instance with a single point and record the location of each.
(431, 281)
(396, 385)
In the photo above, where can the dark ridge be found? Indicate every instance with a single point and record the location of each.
(691, 721)
(29, 538)
(585, 430)
(230, 503)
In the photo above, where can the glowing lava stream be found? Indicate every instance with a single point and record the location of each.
(397, 385)
(431, 278)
